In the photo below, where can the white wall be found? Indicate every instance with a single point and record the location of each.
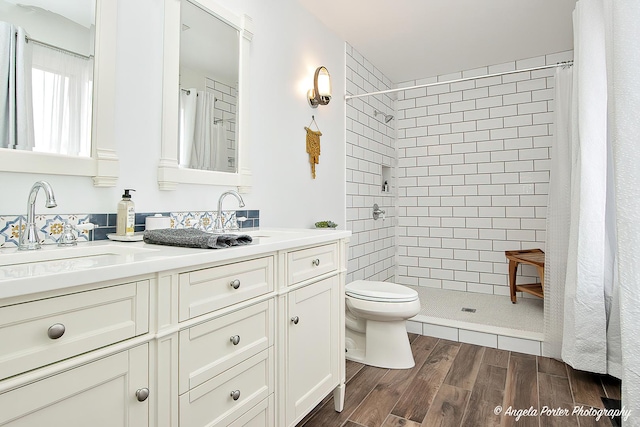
(370, 147)
(288, 45)
(473, 167)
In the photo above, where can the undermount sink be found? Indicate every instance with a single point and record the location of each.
(262, 233)
(54, 253)
(253, 234)
(256, 234)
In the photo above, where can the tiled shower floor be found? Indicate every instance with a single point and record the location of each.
(496, 322)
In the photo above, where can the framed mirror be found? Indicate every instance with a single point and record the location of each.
(209, 60)
(61, 115)
(205, 96)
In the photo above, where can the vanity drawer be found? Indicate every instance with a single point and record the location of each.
(210, 289)
(261, 415)
(212, 403)
(41, 332)
(308, 263)
(208, 349)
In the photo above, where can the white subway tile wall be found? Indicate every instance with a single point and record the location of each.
(473, 174)
(371, 154)
(226, 109)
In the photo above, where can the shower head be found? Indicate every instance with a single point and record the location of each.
(387, 117)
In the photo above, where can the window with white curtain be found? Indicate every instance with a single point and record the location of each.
(62, 88)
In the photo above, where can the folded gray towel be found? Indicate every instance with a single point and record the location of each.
(192, 238)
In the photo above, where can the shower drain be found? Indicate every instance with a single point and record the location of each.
(468, 310)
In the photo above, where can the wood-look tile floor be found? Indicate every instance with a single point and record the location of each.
(457, 384)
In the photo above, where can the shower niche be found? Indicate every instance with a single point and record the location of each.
(385, 181)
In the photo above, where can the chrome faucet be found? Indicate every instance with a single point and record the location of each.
(29, 236)
(219, 227)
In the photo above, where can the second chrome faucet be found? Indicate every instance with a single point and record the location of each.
(219, 226)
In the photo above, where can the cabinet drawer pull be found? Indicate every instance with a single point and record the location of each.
(295, 320)
(142, 394)
(235, 284)
(235, 339)
(315, 262)
(56, 331)
(235, 394)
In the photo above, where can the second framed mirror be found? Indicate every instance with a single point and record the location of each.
(204, 96)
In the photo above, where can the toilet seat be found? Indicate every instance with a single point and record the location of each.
(380, 291)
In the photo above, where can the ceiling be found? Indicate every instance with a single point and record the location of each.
(82, 12)
(413, 39)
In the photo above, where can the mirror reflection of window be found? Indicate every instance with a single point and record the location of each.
(62, 88)
(50, 45)
(209, 66)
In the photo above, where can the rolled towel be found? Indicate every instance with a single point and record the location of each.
(192, 238)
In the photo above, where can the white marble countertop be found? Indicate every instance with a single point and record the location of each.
(108, 260)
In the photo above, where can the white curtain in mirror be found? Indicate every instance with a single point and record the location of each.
(15, 89)
(203, 138)
(62, 94)
(187, 124)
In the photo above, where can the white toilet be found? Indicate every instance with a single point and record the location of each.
(376, 314)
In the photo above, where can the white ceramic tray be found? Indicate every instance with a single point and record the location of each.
(137, 237)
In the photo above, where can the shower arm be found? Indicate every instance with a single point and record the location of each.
(387, 117)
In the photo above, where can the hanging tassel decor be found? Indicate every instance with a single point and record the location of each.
(313, 146)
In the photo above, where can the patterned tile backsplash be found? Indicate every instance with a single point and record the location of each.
(50, 227)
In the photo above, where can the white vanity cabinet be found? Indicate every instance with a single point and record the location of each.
(249, 325)
(209, 289)
(249, 336)
(55, 362)
(312, 353)
(109, 392)
(225, 363)
(37, 333)
(312, 308)
(226, 366)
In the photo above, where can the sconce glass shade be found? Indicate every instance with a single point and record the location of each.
(321, 92)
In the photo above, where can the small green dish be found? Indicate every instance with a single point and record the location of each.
(326, 224)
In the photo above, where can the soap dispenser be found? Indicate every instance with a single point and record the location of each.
(126, 215)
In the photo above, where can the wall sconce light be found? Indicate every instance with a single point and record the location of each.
(320, 94)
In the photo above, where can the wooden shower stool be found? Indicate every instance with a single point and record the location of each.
(531, 257)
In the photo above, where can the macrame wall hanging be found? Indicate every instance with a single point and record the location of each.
(313, 145)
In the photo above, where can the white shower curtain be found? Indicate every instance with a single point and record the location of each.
(187, 125)
(16, 105)
(558, 214)
(7, 67)
(588, 264)
(592, 311)
(625, 135)
(580, 217)
(205, 132)
(203, 142)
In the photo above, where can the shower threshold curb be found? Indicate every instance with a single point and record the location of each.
(477, 327)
